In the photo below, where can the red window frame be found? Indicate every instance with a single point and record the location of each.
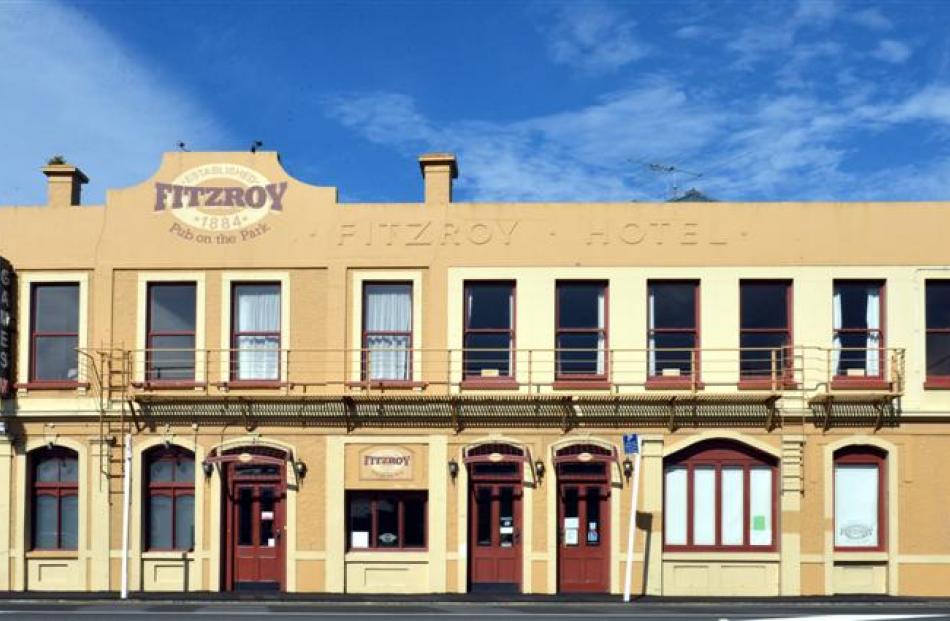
(564, 380)
(867, 381)
(787, 369)
(173, 489)
(472, 379)
(34, 333)
(150, 334)
(399, 497)
(863, 455)
(719, 455)
(365, 334)
(662, 381)
(235, 375)
(934, 380)
(57, 489)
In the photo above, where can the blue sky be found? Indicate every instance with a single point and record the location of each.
(784, 100)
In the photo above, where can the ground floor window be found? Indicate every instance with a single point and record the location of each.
(719, 495)
(55, 476)
(387, 520)
(170, 486)
(859, 498)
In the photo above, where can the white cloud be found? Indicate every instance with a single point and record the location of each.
(891, 51)
(592, 37)
(69, 87)
(871, 18)
(932, 103)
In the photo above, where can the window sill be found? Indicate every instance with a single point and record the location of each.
(859, 383)
(859, 556)
(767, 384)
(378, 555)
(937, 383)
(388, 384)
(713, 555)
(489, 383)
(51, 385)
(581, 384)
(169, 385)
(167, 555)
(673, 383)
(53, 554)
(251, 384)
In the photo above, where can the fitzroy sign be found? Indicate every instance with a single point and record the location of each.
(219, 204)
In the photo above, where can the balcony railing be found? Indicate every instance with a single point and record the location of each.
(803, 370)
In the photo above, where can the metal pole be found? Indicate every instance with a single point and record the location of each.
(126, 505)
(632, 526)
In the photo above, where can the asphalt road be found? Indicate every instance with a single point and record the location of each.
(491, 611)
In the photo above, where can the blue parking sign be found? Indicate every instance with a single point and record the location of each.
(631, 445)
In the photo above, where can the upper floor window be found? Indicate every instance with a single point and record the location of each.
(387, 331)
(858, 328)
(859, 498)
(255, 327)
(673, 330)
(765, 328)
(54, 328)
(171, 321)
(938, 330)
(55, 474)
(581, 334)
(719, 495)
(489, 329)
(171, 498)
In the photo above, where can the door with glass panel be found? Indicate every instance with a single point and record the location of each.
(583, 520)
(387, 332)
(255, 527)
(496, 536)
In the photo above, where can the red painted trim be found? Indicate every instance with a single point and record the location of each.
(766, 384)
(51, 385)
(866, 455)
(252, 384)
(859, 383)
(662, 382)
(937, 382)
(594, 383)
(173, 489)
(169, 384)
(57, 489)
(512, 328)
(389, 384)
(489, 383)
(400, 496)
(605, 330)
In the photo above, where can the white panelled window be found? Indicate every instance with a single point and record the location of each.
(387, 331)
(859, 502)
(858, 328)
(256, 332)
(719, 495)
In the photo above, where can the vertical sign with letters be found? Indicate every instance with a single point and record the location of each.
(7, 326)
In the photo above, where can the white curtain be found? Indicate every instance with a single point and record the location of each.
(856, 506)
(388, 309)
(836, 344)
(258, 311)
(732, 508)
(873, 360)
(651, 345)
(601, 323)
(760, 507)
(674, 508)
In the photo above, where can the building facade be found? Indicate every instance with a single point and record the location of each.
(224, 379)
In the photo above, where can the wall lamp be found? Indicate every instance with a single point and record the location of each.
(300, 468)
(627, 468)
(539, 469)
(453, 469)
(208, 468)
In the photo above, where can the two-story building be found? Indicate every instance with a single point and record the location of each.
(225, 379)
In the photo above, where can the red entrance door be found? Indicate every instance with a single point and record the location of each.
(583, 537)
(495, 536)
(255, 528)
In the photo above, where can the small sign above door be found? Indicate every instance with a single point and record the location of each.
(388, 463)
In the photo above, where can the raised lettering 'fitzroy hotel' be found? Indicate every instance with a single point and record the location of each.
(225, 379)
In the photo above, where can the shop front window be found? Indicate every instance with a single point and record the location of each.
(859, 498)
(170, 508)
(386, 520)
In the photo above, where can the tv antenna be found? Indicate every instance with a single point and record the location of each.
(675, 177)
(181, 145)
(257, 144)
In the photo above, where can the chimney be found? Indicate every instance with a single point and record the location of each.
(438, 170)
(64, 184)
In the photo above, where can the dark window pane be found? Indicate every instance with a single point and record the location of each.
(764, 305)
(580, 305)
(485, 350)
(938, 303)
(56, 308)
(854, 303)
(938, 353)
(160, 522)
(757, 350)
(245, 517)
(579, 468)
(266, 516)
(502, 469)
(185, 470)
(593, 516)
(47, 470)
(580, 354)
(172, 357)
(161, 471)
(673, 305)
(184, 522)
(483, 506)
(672, 350)
(414, 522)
(854, 352)
(55, 358)
(257, 470)
(257, 308)
(45, 522)
(69, 522)
(506, 516)
(387, 523)
(172, 308)
(488, 306)
(361, 520)
(68, 469)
